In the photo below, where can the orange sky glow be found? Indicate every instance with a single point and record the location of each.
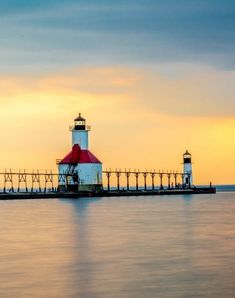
(141, 119)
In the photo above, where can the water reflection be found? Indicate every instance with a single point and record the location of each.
(118, 247)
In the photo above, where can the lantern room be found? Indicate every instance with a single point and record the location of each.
(79, 123)
(187, 157)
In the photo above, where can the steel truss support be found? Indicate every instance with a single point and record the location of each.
(22, 179)
(48, 180)
(36, 180)
(8, 178)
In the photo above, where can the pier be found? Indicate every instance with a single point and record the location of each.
(38, 181)
(24, 184)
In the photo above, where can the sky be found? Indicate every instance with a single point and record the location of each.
(152, 77)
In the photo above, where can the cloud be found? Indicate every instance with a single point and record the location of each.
(58, 33)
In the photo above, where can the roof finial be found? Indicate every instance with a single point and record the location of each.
(79, 118)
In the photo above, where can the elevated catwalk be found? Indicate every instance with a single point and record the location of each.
(42, 185)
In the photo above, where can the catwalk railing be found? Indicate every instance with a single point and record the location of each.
(25, 181)
(173, 179)
(47, 181)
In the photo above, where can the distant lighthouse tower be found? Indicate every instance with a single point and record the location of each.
(80, 168)
(187, 169)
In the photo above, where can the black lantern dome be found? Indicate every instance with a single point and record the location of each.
(187, 157)
(79, 123)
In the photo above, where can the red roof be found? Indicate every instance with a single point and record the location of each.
(77, 155)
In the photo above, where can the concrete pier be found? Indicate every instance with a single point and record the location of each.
(111, 193)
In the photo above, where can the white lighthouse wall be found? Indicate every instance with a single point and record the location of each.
(90, 173)
(188, 170)
(80, 137)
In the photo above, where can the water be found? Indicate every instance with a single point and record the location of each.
(169, 246)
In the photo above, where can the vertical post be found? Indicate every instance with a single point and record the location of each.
(127, 180)
(152, 175)
(45, 180)
(4, 188)
(145, 180)
(26, 186)
(11, 181)
(161, 177)
(182, 177)
(32, 176)
(52, 182)
(38, 179)
(19, 180)
(108, 177)
(118, 174)
(175, 176)
(169, 180)
(137, 180)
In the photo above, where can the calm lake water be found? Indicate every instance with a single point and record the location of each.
(140, 247)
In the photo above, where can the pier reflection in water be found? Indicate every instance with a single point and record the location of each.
(178, 246)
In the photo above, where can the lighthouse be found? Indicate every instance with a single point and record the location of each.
(82, 170)
(187, 169)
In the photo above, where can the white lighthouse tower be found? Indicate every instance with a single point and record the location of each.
(80, 132)
(81, 170)
(187, 169)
